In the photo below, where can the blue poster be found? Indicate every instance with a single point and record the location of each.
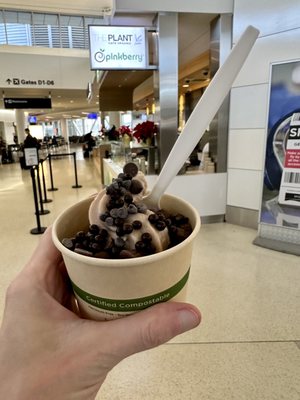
(284, 112)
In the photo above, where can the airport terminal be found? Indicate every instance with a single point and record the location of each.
(87, 88)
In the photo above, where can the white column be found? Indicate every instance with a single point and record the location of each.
(20, 121)
(114, 119)
(64, 129)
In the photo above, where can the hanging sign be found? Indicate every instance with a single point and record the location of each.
(27, 103)
(117, 48)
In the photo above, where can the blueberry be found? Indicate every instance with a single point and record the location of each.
(114, 212)
(132, 209)
(109, 221)
(104, 216)
(68, 243)
(142, 208)
(126, 184)
(122, 212)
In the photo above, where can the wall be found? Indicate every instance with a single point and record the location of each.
(68, 68)
(278, 41)
(201, 6)
(87, 7)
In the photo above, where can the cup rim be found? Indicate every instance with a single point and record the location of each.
(128, 262)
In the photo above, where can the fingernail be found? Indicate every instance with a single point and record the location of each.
(189, 319)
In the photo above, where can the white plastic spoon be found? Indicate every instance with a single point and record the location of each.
(202, 115)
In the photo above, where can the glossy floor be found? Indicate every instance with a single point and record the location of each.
(248, 344)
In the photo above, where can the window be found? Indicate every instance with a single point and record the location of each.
(46, 30)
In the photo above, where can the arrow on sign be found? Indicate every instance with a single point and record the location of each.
(8, 81)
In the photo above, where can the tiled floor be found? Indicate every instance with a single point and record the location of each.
(246, 346)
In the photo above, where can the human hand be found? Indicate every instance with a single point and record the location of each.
(48, 352)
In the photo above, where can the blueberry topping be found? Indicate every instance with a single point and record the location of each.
(126, 184)
(109, 221)
(68, 243)
(122, 212)
(132, 209)
(142, 208)
(104, 216)
(114, 212)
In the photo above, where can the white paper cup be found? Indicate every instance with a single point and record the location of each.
(112, 288)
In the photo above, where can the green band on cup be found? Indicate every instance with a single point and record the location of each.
(131, 304)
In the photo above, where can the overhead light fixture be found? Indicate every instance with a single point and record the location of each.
(185, 85)
(71, 101)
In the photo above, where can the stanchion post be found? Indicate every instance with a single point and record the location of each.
(41, 211)
(75, 171)
(51, 174)
(45, 199)
(39, 229)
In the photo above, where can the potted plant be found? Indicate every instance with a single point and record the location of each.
(145, 132)
(125, 134)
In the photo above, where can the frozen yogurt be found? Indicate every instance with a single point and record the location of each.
(121, 225)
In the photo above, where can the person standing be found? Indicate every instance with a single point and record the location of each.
(30, 141)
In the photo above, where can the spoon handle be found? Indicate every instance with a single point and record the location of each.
(204, 112)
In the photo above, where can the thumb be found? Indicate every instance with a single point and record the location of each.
(150, 328)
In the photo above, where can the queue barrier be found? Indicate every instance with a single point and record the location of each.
(40, 191)
(50, 156)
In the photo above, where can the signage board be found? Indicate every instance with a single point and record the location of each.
(31, 156)
(19, 103)
(117, 48)
(289, 192)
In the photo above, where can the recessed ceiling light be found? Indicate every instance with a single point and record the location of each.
(186, 85)
(71, 101)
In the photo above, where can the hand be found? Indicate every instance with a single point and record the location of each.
(48, 352)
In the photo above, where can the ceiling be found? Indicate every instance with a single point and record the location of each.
(193, 38)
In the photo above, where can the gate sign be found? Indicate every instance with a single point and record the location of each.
(117, 48)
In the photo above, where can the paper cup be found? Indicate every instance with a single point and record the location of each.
(112, 288)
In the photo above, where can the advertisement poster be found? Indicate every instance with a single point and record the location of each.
(281, 191)
(118, 48)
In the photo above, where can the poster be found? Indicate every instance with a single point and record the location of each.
(281, 191)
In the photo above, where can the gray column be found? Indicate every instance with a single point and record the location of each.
(220, 46)
(166, 84)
